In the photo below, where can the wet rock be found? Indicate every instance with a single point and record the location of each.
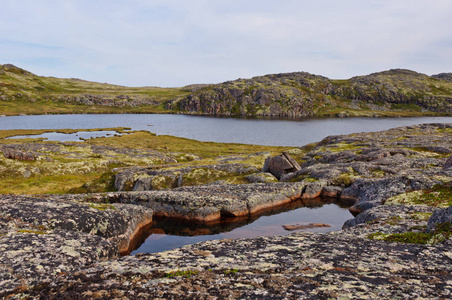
(331, 192)
(305, 226)
(313, 189)
(281, 165)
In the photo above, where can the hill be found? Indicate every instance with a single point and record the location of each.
(395, 92)
(22, 92)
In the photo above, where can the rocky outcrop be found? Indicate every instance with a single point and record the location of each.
(371, 167)
(109, 100)
(443, 76)
(289, 95)
(302, 94)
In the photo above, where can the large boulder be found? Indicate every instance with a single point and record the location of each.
(281, 165)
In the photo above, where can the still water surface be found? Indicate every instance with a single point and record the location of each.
(170, 235)
(227, 130)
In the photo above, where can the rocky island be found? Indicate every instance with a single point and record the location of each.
(68, 246)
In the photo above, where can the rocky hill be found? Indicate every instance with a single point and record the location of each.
(390, 93)
(302, 94)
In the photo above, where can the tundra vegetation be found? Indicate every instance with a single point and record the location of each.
(389, 93)
(91, 165)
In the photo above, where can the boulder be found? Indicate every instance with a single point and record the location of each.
(281, 165)
(438, 217)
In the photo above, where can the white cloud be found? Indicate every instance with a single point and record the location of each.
(173, 43)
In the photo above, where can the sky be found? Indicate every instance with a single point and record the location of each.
(172, 43)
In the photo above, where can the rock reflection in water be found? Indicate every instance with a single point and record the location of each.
(167, 234)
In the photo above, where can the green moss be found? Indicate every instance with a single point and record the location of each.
(231, 271)
(442, 232)
(377, 173)
(393, 220)
(179, 273)
(345, 179)
(32, 231)
(101, 206)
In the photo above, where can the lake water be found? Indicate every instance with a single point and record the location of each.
(166, 234)
(228, 130)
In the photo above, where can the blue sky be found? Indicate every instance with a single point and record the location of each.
(180, 42)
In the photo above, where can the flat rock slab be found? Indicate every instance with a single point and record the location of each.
(301, 265)
(117, 222)
(210, 202)
(42, 238)
(29, 258)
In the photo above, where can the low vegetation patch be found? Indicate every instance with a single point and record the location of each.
(443, 231)
(91, 166)
(179, 273)
(439, 195)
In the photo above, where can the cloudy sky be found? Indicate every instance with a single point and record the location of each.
(180, 42)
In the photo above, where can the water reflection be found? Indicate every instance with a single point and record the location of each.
(166, 234)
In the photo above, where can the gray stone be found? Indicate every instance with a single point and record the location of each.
(438, 217)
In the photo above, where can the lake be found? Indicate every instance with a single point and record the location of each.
(270, 132)
(165, 235)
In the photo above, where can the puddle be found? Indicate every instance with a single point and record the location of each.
(68, 137)
(167, 234)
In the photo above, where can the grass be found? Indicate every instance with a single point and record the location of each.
(168, 144)
(26, 93)
(76, 168)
